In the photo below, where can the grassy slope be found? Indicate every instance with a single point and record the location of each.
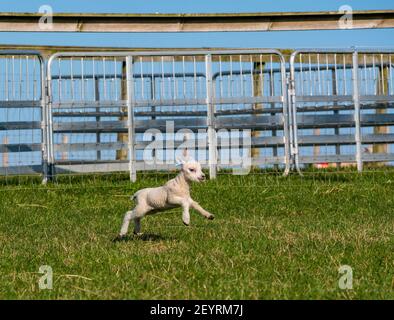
(273, 237)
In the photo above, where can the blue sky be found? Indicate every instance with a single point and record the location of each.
(344, 38)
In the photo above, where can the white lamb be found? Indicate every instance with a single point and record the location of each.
(175, 193)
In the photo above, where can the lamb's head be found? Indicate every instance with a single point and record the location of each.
(192, 171)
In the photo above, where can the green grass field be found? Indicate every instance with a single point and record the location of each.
(273, 238)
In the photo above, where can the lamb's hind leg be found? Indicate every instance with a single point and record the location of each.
(136, 214)
(126, 221)
(137, 226)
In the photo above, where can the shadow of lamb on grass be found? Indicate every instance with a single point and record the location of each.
(140, 237)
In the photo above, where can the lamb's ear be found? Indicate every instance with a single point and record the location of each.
(179, 162)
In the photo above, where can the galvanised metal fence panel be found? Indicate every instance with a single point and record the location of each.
(250, 93)
(22, 114)
(173, 99)
(342, 103)
(88, 112)
(325, 122)
(92, 96)
(376, 98)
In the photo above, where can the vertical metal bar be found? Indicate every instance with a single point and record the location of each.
(272, 76)
(285, 107)
(195, 77)
(82, 81)
(27, 78)
(260, 84)
(20, 78)
(336, 112)
(336, 74)
(375, 82)
(142, 79)
(365, 75)
(293, 112)
(220, 77)
(72, 79)
(184, 77)
(153, 80)
(356, 100)
(251, 75)
(174, 78)
(382, 74)
(130, 117)
(96, 84)
(59, 81)
(116, 80)
(241, 76)
(327, 75)
(44, 120)
(6, 80)
(391, 76)
(212, 152)
(310, 76)
(104, 80)
(47, 100)
(272, 105)
(301, 75)
(34, 81)
(13, 78)
(344, 75)
(162, 95)
(230, 83)
(319, 85)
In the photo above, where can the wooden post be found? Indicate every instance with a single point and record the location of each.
(316, 149)
(64, 155)
(121, 154)
(97, 99)
(5, 154)
(336, 112)
(272, 105)
(153, 109)
(258, 79)
(382, 89)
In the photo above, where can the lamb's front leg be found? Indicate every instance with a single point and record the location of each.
(201, 210)
(186, 213)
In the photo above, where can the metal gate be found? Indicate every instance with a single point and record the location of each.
(22, 114)
(375, 78)
(88, 112)
(130, 111)
(341, 107)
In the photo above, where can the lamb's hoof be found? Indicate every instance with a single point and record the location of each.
(186, 224)
(211, 217)
(138, 234)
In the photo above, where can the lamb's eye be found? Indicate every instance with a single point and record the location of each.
(192, 170)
